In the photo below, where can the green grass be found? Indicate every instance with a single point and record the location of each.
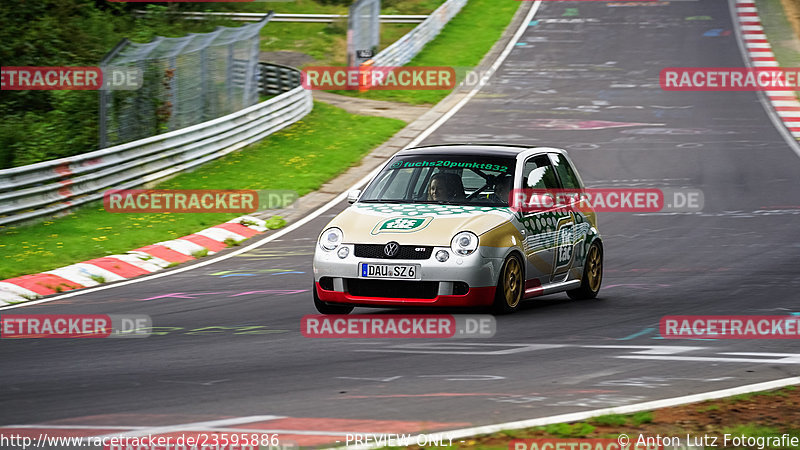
(641, 417)
(301, 158)
(776, 393)
(632, 425)
(708, 408)
(462, 43)
(200, 253)
(610, 419)
(751, 430)
(614, 420)
(779, 33)
(565, 430)
(327, 43)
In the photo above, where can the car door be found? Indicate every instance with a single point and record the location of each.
(582, 218)
(547, 231)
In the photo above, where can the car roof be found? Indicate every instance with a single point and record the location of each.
(471, 149)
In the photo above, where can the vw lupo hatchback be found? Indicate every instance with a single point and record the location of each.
(439, 226)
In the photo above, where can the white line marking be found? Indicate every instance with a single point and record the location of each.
(794, 103)
(583, 415)
(792, 360)
(191, 427)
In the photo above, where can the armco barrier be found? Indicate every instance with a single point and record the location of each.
(405, 48)
(276, 79)
(46, 188)
(299, 18)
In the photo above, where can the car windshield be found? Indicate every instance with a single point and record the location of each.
(444, 179)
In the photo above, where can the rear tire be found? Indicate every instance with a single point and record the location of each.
(327, 308)
(508, 294)
(592, 275)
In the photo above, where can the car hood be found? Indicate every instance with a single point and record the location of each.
(415, 224)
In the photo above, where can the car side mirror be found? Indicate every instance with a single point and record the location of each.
(353, 195)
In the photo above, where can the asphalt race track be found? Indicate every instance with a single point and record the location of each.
(227, 340)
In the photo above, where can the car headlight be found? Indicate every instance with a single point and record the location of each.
(464, 243)
(330, 239)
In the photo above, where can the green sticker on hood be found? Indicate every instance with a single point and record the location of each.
(402, 225)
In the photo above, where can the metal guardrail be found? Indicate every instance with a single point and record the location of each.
(49, 187)
(302, 18)
(404, 49)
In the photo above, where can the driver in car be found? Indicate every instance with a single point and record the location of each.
(445, 187)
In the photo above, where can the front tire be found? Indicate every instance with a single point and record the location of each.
(508, 294)
(592, 275)
(327, 308)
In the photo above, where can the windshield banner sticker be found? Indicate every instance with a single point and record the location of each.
(448, 164)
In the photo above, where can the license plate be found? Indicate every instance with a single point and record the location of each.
(406, 272)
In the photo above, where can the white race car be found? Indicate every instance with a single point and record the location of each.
(437, 227)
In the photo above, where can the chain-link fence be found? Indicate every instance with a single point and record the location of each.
(187, 81)
(363, 31)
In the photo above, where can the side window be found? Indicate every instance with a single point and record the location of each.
(566, 173)
(537, 173)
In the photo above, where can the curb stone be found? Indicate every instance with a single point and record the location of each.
(759, 50)
(134, 263)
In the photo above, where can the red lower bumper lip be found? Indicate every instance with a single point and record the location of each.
(477, 296)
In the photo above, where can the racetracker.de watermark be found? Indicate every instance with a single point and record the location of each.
(730, 327)
(195, 200)
(216, 440)
(729, 79)
(607, 200)
(378, 78)
(398, 326)
(28, 326)
(70, 78)
(623, 442)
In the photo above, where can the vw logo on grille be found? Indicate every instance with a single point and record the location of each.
(391, 249)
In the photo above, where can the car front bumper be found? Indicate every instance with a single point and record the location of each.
(460, 281)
